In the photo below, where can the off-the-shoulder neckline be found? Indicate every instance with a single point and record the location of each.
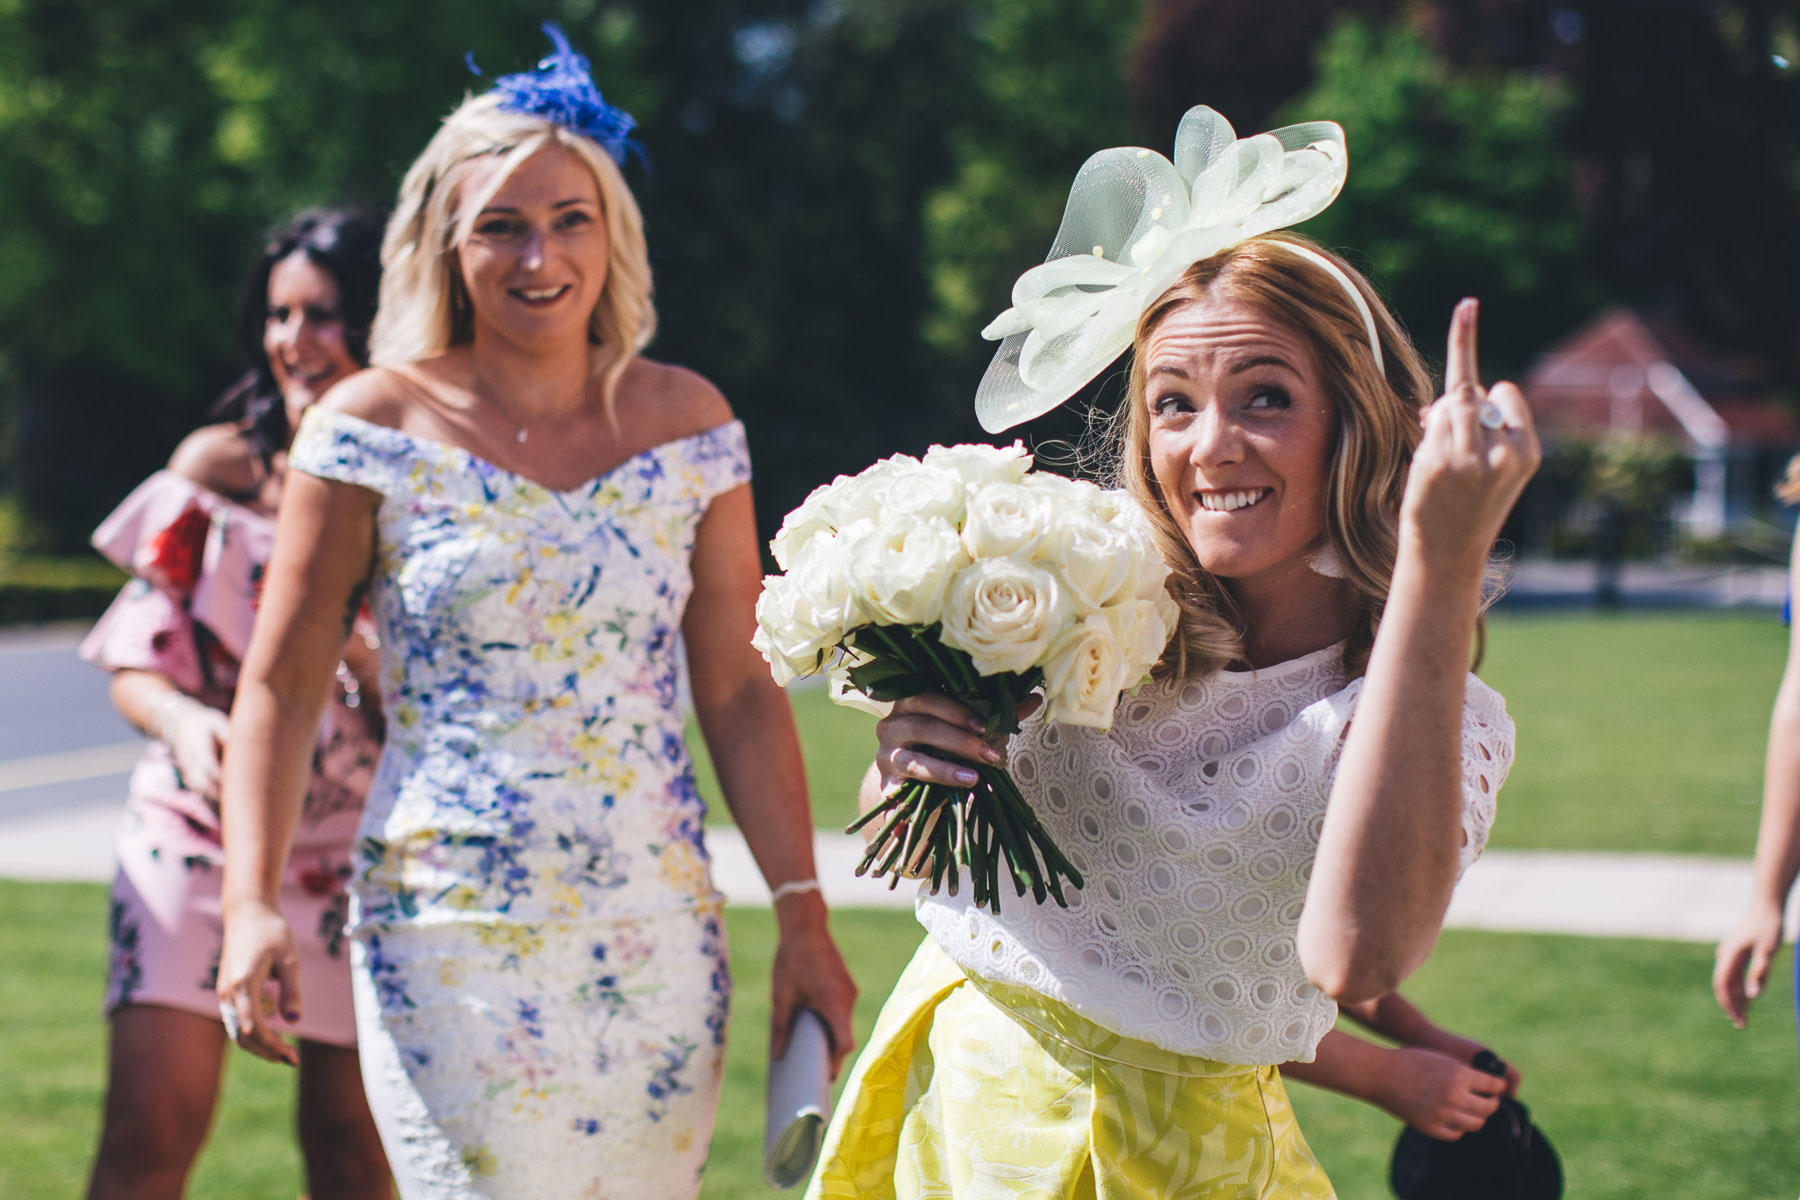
(580, 489)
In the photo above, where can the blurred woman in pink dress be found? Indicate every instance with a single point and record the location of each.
(196, 538)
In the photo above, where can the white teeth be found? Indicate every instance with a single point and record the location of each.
(540, 293)
(1228, 501)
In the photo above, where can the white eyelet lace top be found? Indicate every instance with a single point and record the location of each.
(1194, 823)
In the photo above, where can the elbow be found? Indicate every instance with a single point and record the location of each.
(1352, 969)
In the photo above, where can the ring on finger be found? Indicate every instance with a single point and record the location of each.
(228, 1014)
(1489, 416)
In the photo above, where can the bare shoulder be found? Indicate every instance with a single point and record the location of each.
(218, 458)
(375, 394)
(672, 401)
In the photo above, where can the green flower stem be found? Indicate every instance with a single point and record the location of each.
(952, 832)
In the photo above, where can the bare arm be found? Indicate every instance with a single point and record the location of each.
(1388, 853)
(749, 728)
(323, 547)
(193, 731)
(1742, 965)
(1396, 1018)
(1430, 1091)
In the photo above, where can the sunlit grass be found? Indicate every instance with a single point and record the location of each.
(1642, 1086)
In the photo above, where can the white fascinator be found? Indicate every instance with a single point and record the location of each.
(1134, 222)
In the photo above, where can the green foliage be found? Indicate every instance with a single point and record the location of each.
(1045, 94)
(1457, 185)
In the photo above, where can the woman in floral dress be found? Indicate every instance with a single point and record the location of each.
(541, 517)
(197, 538)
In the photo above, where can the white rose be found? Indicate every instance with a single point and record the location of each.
(1141, 630)
(786, 634)
(1005, 520)
(924, 491)
(843, 692)
(1063, 491)
(821, 573)
(1095, 560)
(1084, 674)
(1003, 612)
(900, 569)
(1114, 504)
(859, 497)
(802, 525)
(839, 504)
(978, 464)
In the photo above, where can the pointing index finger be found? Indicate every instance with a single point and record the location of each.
(1460, 370)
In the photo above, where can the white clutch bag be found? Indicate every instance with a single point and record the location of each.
(799, 1103)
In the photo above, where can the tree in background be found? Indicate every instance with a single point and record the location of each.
(1457, 186)
(1047, 94)
(144, 146)
(1679, 119)
(842, 191)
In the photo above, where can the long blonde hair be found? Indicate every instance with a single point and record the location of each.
(1378, 427)
(424, 309)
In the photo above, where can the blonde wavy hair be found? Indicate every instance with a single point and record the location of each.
(1378, 427)
(424, 309)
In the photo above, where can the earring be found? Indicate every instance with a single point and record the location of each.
(1325, 561)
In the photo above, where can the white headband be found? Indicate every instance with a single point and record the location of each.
(1356, 296)
(1134, 222)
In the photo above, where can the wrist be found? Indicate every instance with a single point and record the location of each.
(798, 907)
(1446, 563)
(166, 712)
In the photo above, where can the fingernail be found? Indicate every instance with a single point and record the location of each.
(290, 1017)
(965, 776)
(992, 755)
(978, 725)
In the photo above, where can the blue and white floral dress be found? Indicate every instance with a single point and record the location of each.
(540, 962)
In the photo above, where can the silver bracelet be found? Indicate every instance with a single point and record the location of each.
(793, 888)
(163, 710)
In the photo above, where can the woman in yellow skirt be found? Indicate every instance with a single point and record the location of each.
(1251, 854)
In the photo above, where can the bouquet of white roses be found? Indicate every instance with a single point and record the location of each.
(968, 574)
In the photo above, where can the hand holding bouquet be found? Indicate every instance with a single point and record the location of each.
(970, 575)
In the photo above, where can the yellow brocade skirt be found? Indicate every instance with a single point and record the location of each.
(973, 1089)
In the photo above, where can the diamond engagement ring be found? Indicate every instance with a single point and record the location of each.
(228, 1014)
(1490, 416)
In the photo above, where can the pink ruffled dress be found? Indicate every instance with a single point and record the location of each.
(197, 562)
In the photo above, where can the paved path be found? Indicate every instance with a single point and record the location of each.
(1615, 895)
(64, 758)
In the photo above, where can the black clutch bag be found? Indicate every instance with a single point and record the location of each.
(1508, 1158)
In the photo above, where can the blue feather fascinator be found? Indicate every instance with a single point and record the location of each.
(561, 90)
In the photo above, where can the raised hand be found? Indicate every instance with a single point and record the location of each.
(1478, 450)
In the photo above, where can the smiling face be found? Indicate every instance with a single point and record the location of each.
(303, 331)
(1241, 436)
(535, 261)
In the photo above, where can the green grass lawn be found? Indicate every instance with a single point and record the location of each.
(838, 744)
(1635, 732)
(1642, 1086)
